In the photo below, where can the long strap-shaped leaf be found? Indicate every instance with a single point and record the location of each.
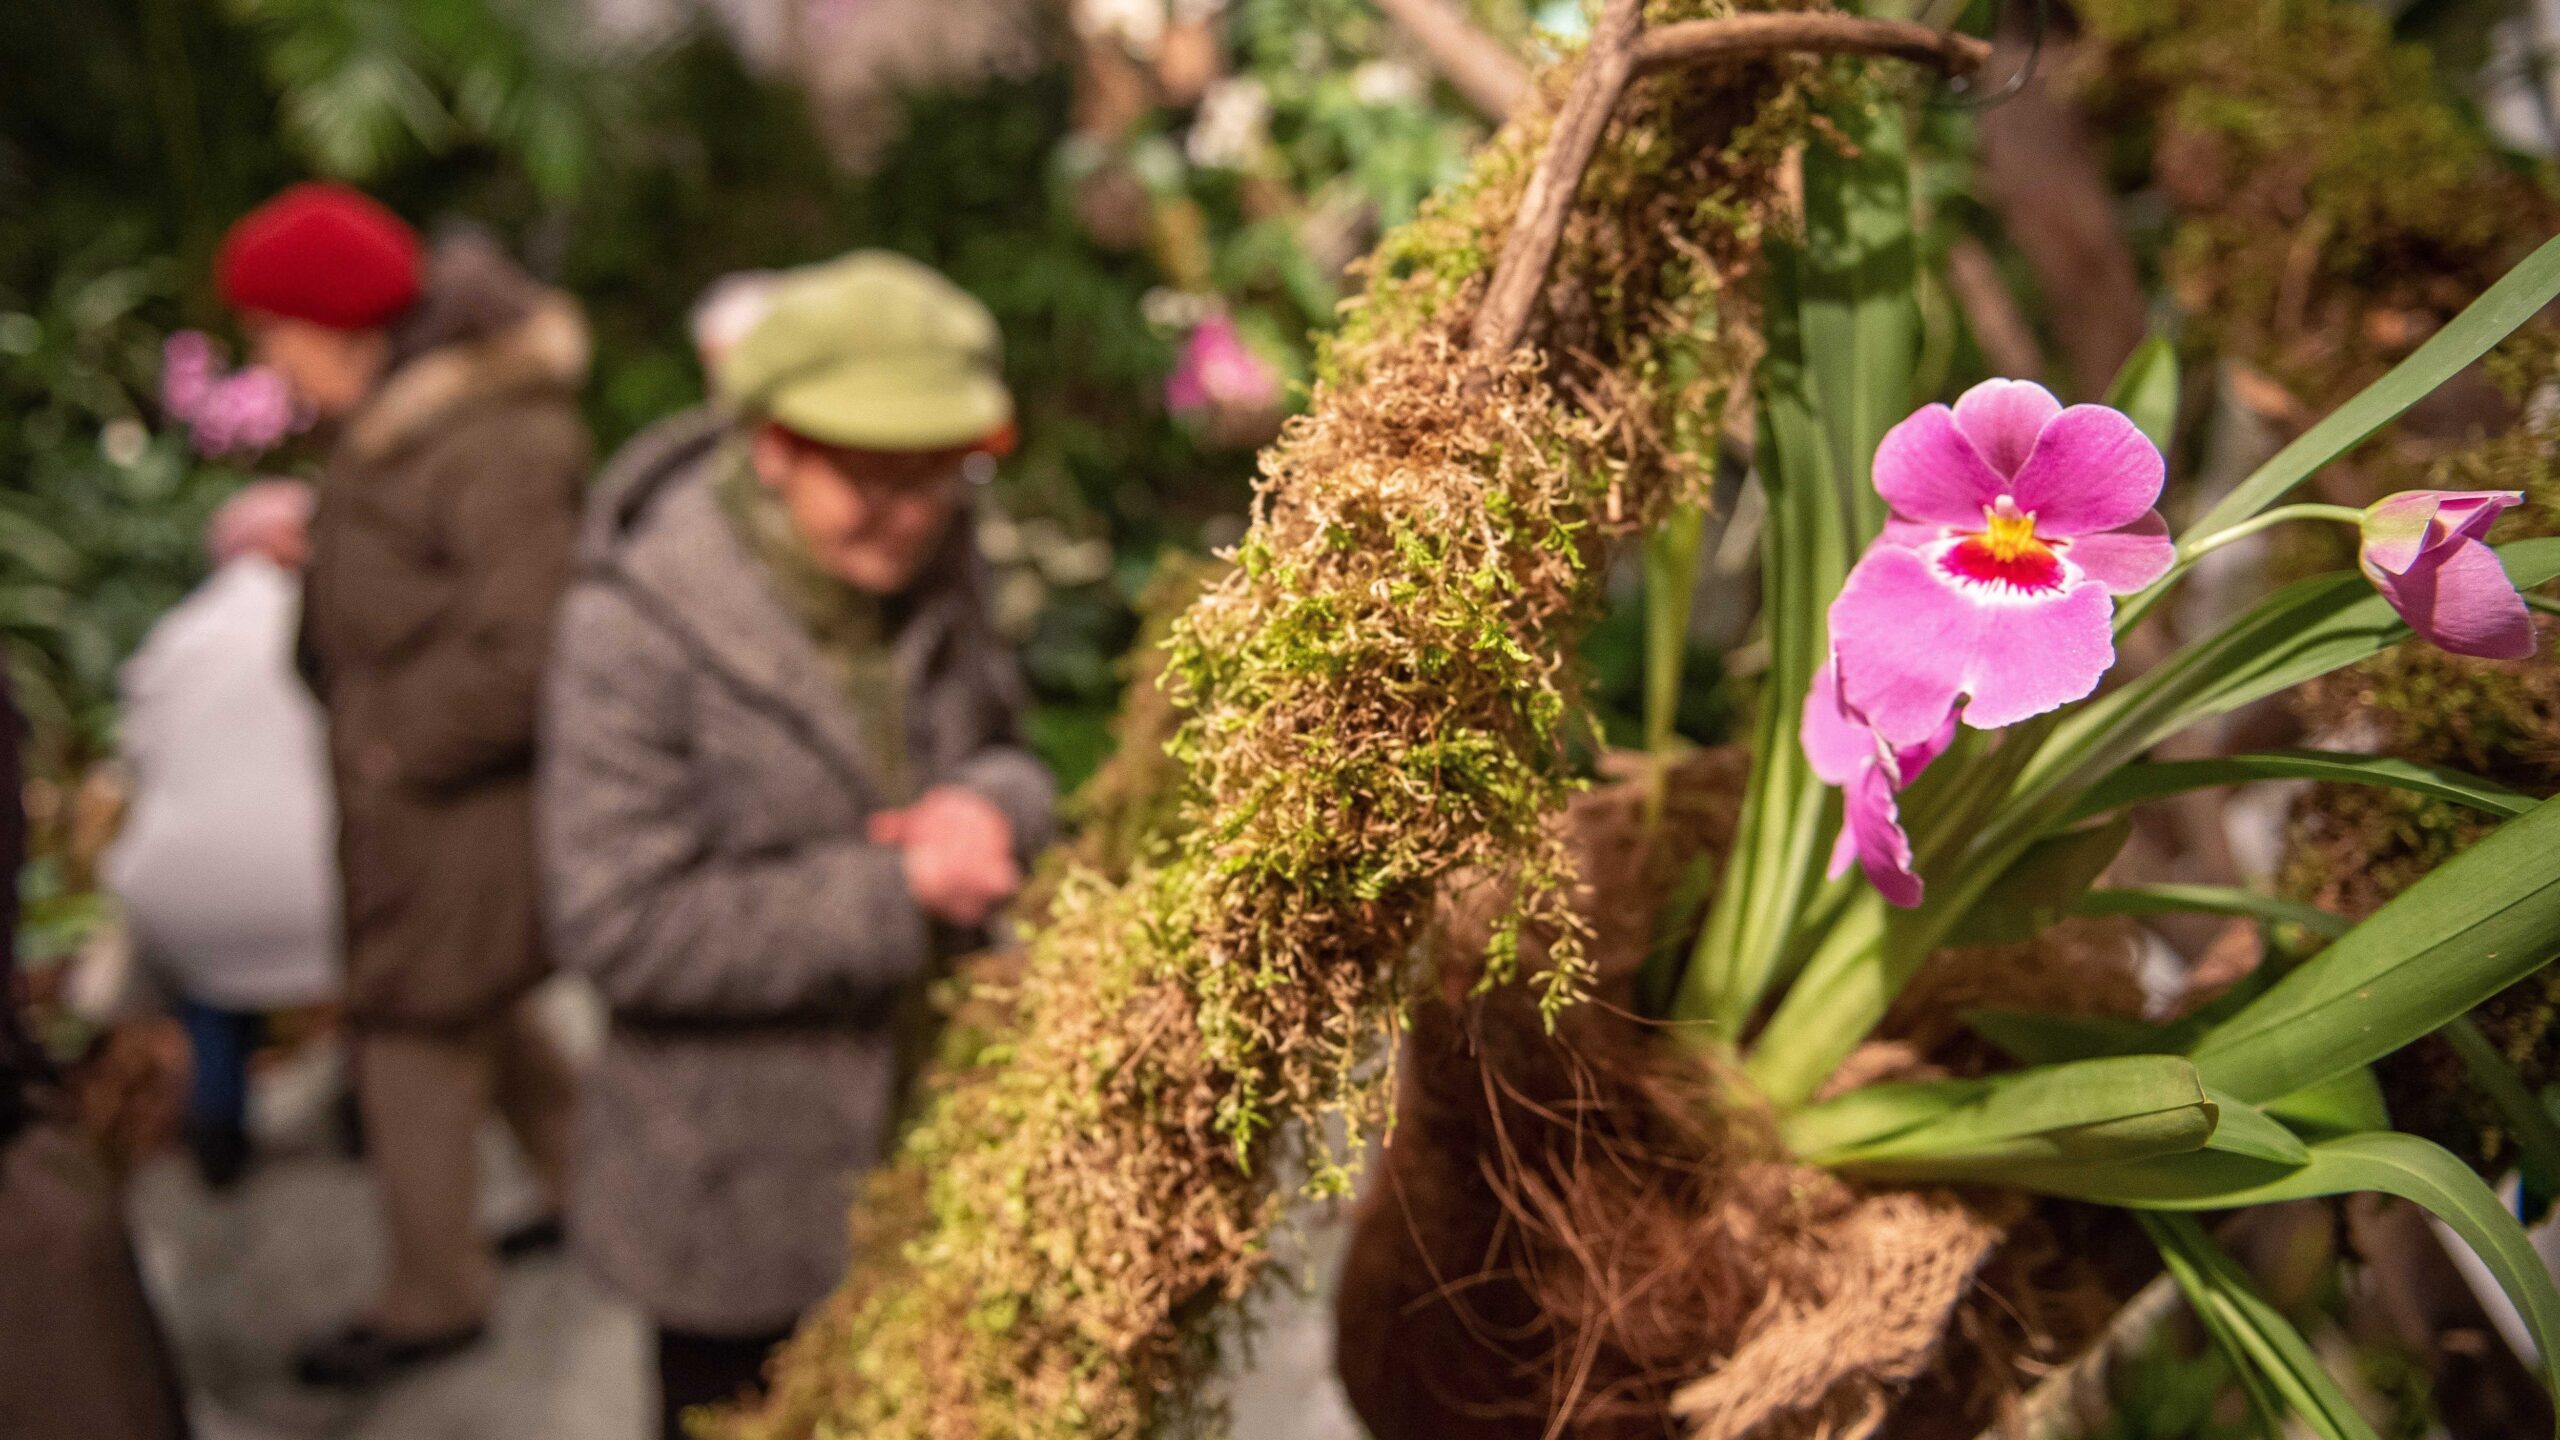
(2384, 1162)
(2475, 925)
(2173, 899)
(2092, 1111)
(1786, 810)
(2154, 779)
(2486, 321)
(2251, 1331)
(1861, 329)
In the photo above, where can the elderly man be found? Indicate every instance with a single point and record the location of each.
(781, 756)
(447, 516)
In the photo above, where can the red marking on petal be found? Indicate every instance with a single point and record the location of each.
(2030, 565)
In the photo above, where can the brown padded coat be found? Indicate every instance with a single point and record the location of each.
(444, 538)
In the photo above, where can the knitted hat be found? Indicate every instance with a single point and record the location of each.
(321, 253)
(875, 351)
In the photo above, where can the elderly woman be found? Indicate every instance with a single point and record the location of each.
(448, 514)
(780, 754)
(223, 864)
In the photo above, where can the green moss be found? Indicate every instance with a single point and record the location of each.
(2321, 177)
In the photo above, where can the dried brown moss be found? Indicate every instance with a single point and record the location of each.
(1579, 1232)
(1374, 698)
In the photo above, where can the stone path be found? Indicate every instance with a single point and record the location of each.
(243, 1277)
(240, 1278)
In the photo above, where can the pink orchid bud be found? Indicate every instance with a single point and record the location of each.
(2014, 524)
(2422, 549)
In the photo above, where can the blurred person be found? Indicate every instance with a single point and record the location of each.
(223, 863)
(727, 311)
(441, 545)
(782, 754)
(80, 1354)
(728, 308)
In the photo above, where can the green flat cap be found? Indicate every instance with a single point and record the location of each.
(874, 351)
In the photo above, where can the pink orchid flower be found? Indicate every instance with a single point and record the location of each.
(250, 409)
(1217, 369)
(1847, 752)
(2422, 550)
(2015, 522)
(188, 369)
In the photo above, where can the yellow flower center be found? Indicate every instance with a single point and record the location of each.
(2007, 533)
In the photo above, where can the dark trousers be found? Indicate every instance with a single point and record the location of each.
(707, 1370)
(222, 1041)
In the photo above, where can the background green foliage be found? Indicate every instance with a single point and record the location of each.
(133, 131)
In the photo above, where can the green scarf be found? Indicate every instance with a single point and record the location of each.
(849, 627)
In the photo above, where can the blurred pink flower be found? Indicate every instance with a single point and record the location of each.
(1217, 370)
(2422, 550)
(2013, 522)
(248, 410)
(187, 366)
(1847, 752)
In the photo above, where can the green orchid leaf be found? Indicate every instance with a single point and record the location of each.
(2093, 1112)
(1678, 920)
(2344, 1104)
(2172, 899)
(2045, 884)
(1874, 1114)
(2033, 1037)
(2537, 1138)
(2498, 312)
(2152, 780)
(1670, 588)
(1787, 813)
(1861, 323)
(2244, 1129)
(2146, 390)
(2475, 925)
(2252, 1332)
(2383, 1162)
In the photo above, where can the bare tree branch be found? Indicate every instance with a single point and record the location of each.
(1999, 326)
(2040, 172)
(1475, 64)
(1618, 51)
(1521, 272)
(1816, 32)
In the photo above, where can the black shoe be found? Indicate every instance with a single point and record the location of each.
(533, 1237)
(359, 1357)
(221, 1154)
(346, 1124)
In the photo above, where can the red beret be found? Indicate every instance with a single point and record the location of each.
(321, 253)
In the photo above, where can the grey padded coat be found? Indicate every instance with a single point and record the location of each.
(703, 803)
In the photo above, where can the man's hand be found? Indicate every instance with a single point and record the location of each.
(958, 849)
